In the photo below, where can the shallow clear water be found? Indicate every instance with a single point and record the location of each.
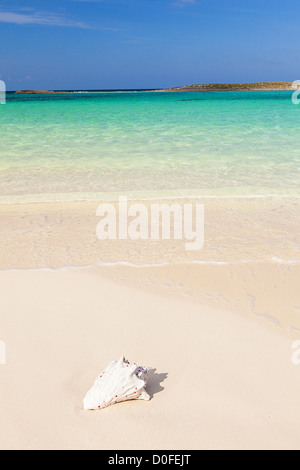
(94, 145)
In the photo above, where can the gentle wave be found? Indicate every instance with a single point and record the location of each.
(114, 198)
(153, 265)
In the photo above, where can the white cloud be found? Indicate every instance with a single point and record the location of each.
(39, 18)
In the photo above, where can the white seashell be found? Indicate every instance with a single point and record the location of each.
(120, 381)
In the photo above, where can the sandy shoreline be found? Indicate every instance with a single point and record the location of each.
(218, 330)
(249, 264)
(64, 234)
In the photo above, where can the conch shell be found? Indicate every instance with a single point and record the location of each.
(120, 381)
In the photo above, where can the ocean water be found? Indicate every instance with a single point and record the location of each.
(86, 146)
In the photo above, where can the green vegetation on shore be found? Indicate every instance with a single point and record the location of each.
(234, 86)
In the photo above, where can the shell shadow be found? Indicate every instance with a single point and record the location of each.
(154, 382)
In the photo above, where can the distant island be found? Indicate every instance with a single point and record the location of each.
(36, 92)
(256, 86)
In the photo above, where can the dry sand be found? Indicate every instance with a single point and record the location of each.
(222, 381)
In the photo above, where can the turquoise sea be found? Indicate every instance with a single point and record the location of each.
(95, 145)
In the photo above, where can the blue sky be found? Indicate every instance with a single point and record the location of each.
(94, 44)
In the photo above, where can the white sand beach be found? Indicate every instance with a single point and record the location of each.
(222, 380)
(149, 210)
